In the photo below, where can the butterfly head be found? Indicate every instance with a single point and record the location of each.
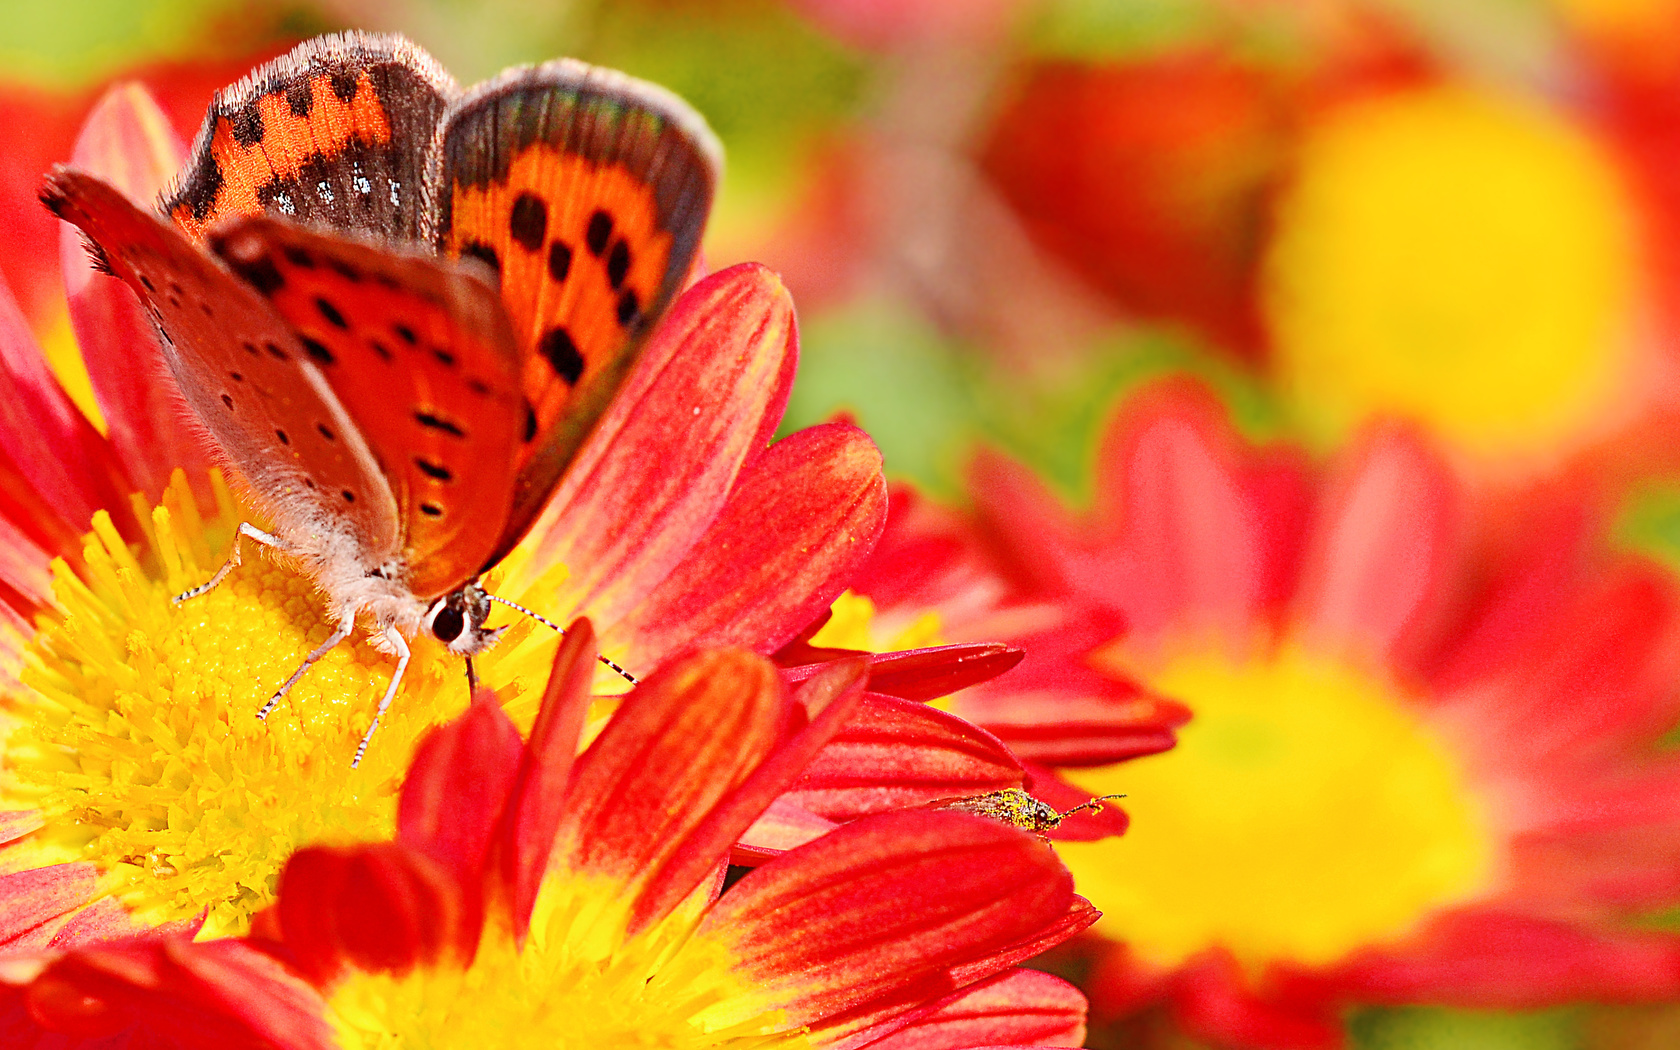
(457, 620)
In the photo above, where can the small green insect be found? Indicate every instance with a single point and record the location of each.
(1015, 806)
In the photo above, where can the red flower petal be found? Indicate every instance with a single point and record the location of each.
(128, 141)
(927, 674)
(678, 746)
(456, 792)
(781, 827)
(886, 909)
(538, 797)
(34, 896)
(384, 907)
(801, 518)
(80, 474)
(171, 993)
(834, 694)
(16, 823)
(705, 398)
(1381, 552)
(897, 753)
(1020, 1007)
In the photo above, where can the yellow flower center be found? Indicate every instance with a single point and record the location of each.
(855, 624)
(1455, 257)
(135, 731)
(578, 983)
(1304, 813)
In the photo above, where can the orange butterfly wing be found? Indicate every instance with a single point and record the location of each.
(419, 352)
(334, 133)
(588, 192)
(246, 375)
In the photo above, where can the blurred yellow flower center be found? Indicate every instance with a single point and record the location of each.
(1455, 257)
(578, 984)
(1304, 813)
(135, 733)
(854, 624)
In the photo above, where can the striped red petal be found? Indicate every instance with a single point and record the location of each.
(704, 398)
(802, 516)
(678, 746)
(1015, 1008)
(538, 797)
(897, 753)
(886, 910)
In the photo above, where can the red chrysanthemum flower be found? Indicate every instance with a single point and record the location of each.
(1416, 772)
(536, 899)
(133, 769)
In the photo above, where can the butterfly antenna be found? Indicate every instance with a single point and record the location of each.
(626, 675)
(1095, 805)
(472, 678)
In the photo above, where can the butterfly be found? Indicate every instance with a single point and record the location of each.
(399, 307)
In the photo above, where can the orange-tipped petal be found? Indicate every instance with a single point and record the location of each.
(384, 907)
(538, 797)
(705, 398)
(128, 141)
(897, 753)
(802, 517)
(887, 909)
(834, 693)
(1017, 1008)
(681, 742)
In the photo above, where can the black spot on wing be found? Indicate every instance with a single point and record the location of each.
(435, 471)
(599, 232)
(300, 98)
(345, 85)
(247, 124)
(528, 223)
(317, 351)
(435, 422)
(559, 260)
(629, 306)
(330, 312)
(260, 273)
(562, 354)
(618, 263)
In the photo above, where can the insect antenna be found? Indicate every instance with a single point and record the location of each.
(1094, 805)
(472, 678)
(626, 675)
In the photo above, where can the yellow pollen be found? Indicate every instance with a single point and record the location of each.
(576, 985)
(1305, 813)
(856, 625)
(1456, 257)
(135, 733)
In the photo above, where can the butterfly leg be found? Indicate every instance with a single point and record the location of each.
(308, 662)
(393, 636)
(245, 529)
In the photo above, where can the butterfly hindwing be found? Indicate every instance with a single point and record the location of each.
(419, 352)
(332, 133)
(587, 191)
(245, 374)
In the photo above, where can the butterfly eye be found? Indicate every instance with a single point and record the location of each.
(448, 624)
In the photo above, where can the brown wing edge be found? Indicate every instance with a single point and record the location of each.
(608, 117)
(383, 54)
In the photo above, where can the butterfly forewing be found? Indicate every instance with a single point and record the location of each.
(332, 133)
(419, 352)
(245, 374)
(587, 191)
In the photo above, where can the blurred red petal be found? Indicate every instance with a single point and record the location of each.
(383, 907)
(34, 896)
(128, 141)
(927, 674)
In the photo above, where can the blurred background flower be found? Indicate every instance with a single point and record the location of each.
(1452, 220)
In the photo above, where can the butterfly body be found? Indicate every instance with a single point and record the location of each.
(398, 309)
